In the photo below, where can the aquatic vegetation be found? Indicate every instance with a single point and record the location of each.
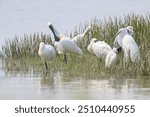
(26, 48)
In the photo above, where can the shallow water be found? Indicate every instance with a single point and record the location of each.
(63, 85)
(29, 16)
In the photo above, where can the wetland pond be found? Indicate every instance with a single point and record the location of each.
(63, 85)
(29, 16)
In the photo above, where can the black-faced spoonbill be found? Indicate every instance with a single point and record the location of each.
(47, 53)
(128, 44)
(102, 50)
(64, 44)
(98, 48)
(80, 37)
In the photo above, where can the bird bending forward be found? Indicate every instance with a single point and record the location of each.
(102, 50)
(64, 44)
(127, 43)
(47, 53)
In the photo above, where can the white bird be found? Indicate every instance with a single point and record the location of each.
(98, 48)
(47, 53)
(102, 50)
(64, 44)
(131, 49)
(111, 58)
(119, 36)
(131, 31)
(80, 37)
(128, 44)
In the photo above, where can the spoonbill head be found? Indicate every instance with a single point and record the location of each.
(131, 31)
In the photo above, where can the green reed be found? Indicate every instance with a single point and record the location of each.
(25, 46)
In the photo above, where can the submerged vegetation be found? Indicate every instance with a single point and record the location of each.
(23, 52)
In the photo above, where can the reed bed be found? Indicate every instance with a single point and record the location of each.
(25, 49)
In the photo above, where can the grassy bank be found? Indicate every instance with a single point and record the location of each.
(22, 52)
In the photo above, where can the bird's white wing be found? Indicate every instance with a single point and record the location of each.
(130, 45)
(49, 51)
(100, 49)
(49, 48)
(117, 42)
(105, 45)
(68, 46)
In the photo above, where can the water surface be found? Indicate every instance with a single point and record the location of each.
(64, 85)
(29, 16)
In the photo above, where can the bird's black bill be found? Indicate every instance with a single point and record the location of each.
(119, 49)
(55, 36)
(116, 35)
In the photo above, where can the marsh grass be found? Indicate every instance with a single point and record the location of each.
(23, 52)
(25, 46)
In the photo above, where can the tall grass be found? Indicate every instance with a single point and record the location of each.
(26, 47)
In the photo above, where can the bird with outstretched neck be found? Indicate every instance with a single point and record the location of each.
(64, 45)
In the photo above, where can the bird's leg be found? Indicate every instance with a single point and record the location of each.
(59, 56)
(46, 66)
(126, 61)
(65, 58)
(99, 60)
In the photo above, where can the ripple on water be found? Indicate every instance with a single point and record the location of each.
(63, 85)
